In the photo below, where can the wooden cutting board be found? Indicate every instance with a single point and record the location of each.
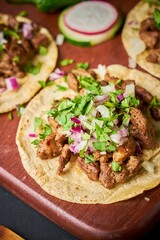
(124, 220)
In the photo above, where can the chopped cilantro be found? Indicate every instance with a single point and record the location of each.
(16, 59)
(85, 136)
(8, 32)
(20, 109)
(100, 146)
(47, 131)
(90, 84)
(37, 123)
(33, 69)
(23, 13)
(101, 134)
(88, 158)
(156, 17)
(65, 105)
(1, 47)
(66, 62)
(53, 113)
(155, 102)
(65, 120)
(61, 88)
(116, 167)
(42, 50)
(84, 65)
(129, 102)
(45, 84)
(35, 142)
(155, 2)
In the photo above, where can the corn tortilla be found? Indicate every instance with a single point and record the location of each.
(74, 185)
(29, 85)
(133, 44)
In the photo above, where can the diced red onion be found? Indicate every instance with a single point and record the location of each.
(138, 150)
(2, 90)
(11, 83)
(76, 129)
(132, 23)
(75, 120)
(32, 135)
(77, 147)
(27, 30)
(123, 132)
(2, 39)
(120, 97)
(56, 74)
(130, 90)
(100, 99)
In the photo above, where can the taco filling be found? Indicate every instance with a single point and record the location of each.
(107, 126)
(150, 34)
(19, 43)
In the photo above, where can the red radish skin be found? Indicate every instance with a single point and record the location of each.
(92, 32)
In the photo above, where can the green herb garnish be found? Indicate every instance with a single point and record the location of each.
(66, 62)
(11, 33)
(89, 158)
(37, 123)
(42, 50)
(155, 102)
(61, 88)
(156, 17)
(1, 47)
(90, 84)
(84, 65)
(33, 69)
(35, 142)
(20, 109)
(45, 84)
(155, 2)
(23, 13)
(116, 167)
(47, 131)
(16, 59)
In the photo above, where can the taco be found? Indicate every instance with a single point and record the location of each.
(96, 141)
(28, 54)
(141, 36)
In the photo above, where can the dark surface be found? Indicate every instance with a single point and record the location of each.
(31, 225)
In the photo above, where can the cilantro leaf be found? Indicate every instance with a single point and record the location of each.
(90, 84)
(84, 65)
(89, 158)
(155, 102)
(42, 50)
(156, 17)
(11, 33)
(116, 167)
(36, 142)
(37, 123)
(61, 88)
(33, 69)
(47, 131)
(66, 62)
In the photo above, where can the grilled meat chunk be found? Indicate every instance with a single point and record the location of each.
(48, 147)
(72, 82)
(39, 39)
(142, 129)
(154, 56)
(64, 158)
(53, 123)
(109, 178)
(155, 113)
(124, 151)
(143, 94)
(91, 169)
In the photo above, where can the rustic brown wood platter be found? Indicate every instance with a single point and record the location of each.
(130, 219)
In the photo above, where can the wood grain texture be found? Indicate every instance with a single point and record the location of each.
(130, 219)
(7, 234)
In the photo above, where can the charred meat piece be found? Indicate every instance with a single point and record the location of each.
(53, 123)
(72, 82)
(91, 169)
(142, 129)
(133, 165)
(108, 78)
(124, 151)
(155, 113)
(154, 56)
(2, 83)
(148, 25)
(109, 178)
(39, 39)
(64, 158)
(12, 22)
(48, 148)
(82, 72)
(144, 94)
(150, 38)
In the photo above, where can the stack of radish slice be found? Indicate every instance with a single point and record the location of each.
(89, 23)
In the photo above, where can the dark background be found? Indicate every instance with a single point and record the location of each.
(31, 225)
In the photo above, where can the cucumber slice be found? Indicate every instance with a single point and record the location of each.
(88, 36)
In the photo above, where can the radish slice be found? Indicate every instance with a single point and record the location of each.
(91, 17)
(89, 23)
